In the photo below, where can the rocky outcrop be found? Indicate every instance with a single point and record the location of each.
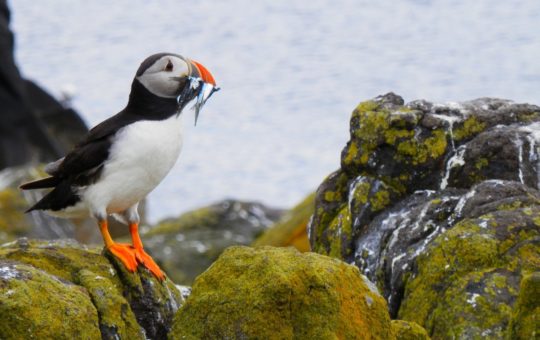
(280, 293)
(62, 290)
(291, 229)
(438, 204)
(187, 245)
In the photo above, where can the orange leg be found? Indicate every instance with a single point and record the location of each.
(124, 252)
(141, 255)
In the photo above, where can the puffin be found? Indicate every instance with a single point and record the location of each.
(122, 159)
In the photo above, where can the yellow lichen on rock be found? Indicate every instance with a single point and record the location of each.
(407, 330)
(280, 293)
(80, 292)
(291, 230)
(38, 305)
(466, 281)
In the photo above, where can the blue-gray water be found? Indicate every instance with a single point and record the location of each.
(291, 72)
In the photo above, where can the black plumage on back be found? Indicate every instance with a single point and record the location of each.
(84, 164)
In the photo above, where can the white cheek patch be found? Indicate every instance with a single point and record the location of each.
(161, 82)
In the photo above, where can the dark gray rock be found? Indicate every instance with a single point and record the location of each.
(427, 203)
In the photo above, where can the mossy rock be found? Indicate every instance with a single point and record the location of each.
(115, 302)
(422, 146)
(36, 304)
(525, 323)
(280, 293)
(468, 280)
(291, 229)
(405, 330)
(366, 196)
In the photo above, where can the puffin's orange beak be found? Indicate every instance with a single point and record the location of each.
(205, 75)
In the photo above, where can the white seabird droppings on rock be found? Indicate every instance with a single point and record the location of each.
(534, 146)
(456, 160)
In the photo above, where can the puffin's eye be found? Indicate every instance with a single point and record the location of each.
(169, 66)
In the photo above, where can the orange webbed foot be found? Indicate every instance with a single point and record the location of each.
(148, 262)
(126, 254)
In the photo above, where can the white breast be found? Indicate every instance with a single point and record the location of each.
(141, 156)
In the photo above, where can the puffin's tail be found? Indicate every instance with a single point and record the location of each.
(48, 182)
(61, 197)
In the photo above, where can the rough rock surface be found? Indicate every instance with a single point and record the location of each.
(438, 204)
(291, 229)
(62, 290)
(187, 245)
(280, 293)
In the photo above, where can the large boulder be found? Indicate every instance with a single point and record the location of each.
(63, 290)
(187, 245)
(280, 293)
(438, 205)
(291, 229)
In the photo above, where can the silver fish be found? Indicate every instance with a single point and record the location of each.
(206, 92)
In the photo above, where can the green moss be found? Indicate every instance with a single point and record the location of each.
(436, 201)
(362, 191)
(351, 154)
(339, 232)
(528, 117)
(367, 106)
(113, 309)
(405, 330)
(331, 196)
(465, 285)
(525, 322)
(35, 304)
(481, 163)
(337, 185)
(372, 121)
(278, 293)
(380, 200)
(419, 152)
(510, 206)
(468, 128)
(397, 184)
(106, 284)
(62, 259)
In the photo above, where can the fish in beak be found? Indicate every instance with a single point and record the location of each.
(201, 82)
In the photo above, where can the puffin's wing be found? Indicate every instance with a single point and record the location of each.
(80, 167)
(83, 164)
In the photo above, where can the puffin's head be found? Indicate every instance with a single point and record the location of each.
(168, 75)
